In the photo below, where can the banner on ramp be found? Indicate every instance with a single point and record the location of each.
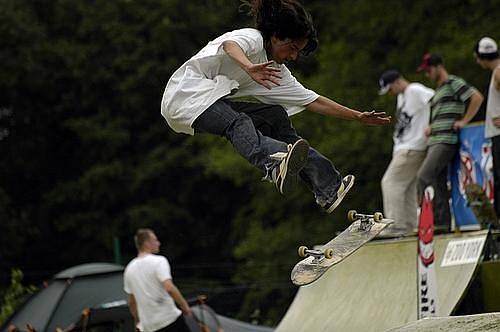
(463, 251)
(427, 282)
(473, 164)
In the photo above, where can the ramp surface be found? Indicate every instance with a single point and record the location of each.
(471, 323)
(376, 288)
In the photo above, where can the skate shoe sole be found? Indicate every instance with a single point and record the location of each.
(297, 159)
(341, 196)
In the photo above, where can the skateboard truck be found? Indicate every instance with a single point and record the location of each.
(318, 255)
(365, 222)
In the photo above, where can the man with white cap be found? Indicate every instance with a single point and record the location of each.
(399, 190)
(486, 52)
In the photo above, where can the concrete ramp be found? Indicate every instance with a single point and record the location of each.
(376, 288)
(472, 323)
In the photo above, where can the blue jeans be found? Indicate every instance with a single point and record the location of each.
(259, 130)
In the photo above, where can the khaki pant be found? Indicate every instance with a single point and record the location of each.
(399, 189)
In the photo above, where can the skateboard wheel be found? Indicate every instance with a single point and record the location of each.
(302, 251)
(328, 253)
(351, 215)
(378, 216)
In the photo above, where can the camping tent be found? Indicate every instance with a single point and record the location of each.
(68, 294)
(112, 317)
(90, 297)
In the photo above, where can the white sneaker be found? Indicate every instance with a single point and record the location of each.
(347, 183)
(291, 163)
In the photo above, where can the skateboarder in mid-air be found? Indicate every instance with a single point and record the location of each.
(199, 98)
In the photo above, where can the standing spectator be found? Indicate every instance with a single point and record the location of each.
(453, 105)
(151, 291)
(399, 189)
(486, 52)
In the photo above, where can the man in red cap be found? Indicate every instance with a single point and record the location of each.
(453, 105)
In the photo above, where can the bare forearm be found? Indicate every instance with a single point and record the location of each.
(132, 306)
(326, 106)
(263, 73)
(474, 104)
(236, 53)
(178, 298)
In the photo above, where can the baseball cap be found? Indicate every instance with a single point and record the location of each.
(486, 47)
(388, 77)
(429, 60)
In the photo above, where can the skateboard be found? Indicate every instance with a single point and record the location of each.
(481, 205)
(316, 262)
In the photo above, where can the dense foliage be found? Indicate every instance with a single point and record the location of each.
(14, 295)
(87, 158)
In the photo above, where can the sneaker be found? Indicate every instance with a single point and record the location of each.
(291, 163)
(347, 183)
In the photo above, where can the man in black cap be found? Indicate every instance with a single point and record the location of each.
(486, 52)
(410, 143)
(453, 105)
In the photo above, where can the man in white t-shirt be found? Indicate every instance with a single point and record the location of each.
(151, 291)
(486, 52)
(251, 63)
(399, 181)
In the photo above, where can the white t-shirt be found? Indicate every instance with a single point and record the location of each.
(211, 74)
(143, 277)
(492, 108)
(412, 117)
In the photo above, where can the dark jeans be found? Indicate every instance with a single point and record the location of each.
(496, 172)
(434, 172)
(259, 130)
(178, 326)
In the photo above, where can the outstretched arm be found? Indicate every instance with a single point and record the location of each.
(326, 106)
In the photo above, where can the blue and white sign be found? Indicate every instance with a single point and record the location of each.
(473, 164)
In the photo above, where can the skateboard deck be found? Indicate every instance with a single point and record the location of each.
(318, 261)
(481, 205)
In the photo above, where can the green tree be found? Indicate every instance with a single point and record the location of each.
(14, 295)
(86, 155)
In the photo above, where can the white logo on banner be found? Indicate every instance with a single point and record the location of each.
(465, 251)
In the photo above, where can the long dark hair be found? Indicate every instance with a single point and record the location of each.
(283, 19)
